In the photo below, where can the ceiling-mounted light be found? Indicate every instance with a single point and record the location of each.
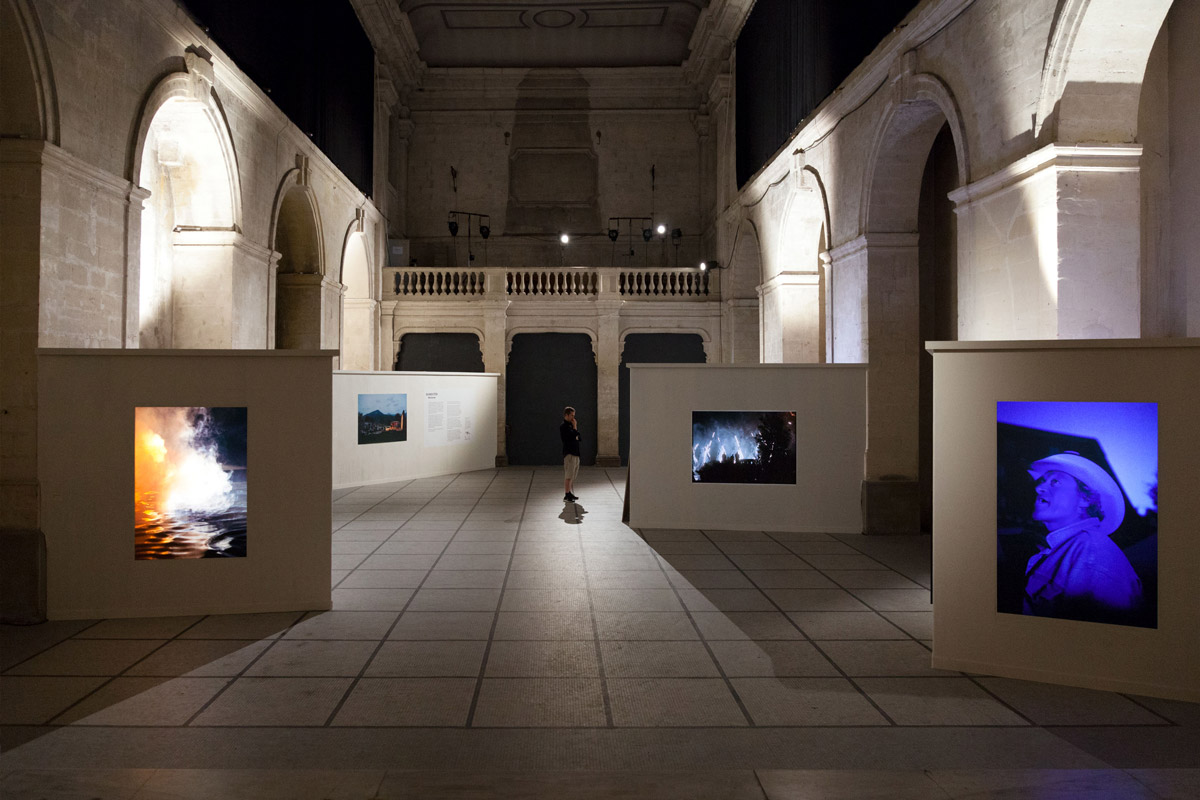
(564, 238)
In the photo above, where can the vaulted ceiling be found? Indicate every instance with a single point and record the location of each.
(549, 33)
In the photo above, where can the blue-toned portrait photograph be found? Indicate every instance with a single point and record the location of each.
(1077, 511)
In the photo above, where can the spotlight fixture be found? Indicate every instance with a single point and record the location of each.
(676, 236)
(647, 234)
(482, 222)
(661, 229)
(708, 266)
(564, 238)
(613, 233)
(485, 231)
(453, 225)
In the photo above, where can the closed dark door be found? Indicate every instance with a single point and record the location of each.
(652, 348)
(547, 371)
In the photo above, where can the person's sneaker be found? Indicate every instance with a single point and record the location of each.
(570, 497)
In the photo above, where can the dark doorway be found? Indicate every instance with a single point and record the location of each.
(938, 258)
(439, 352)
(651, 348)
(547, 371)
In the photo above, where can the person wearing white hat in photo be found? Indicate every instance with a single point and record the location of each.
(1079, 573)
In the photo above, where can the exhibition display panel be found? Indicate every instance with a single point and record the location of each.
(393, 426)
(188, 482)
(772, 447)
(1053, 558)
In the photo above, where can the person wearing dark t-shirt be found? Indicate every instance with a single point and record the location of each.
(569, 432)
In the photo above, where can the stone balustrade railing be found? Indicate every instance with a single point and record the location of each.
(541, 283)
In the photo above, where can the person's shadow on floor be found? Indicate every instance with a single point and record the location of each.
(572, 512)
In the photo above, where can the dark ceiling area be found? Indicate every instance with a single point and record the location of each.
(316, 63)
(529, 33)
(791, 55)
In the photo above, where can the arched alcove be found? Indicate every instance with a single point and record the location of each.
(299, 285)
(739, 293)
(185, 273)
(360, 319)
(792, 308)
(910, 246)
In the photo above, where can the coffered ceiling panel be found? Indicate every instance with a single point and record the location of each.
(539, 33)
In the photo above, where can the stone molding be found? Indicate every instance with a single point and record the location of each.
(885, 241)
(1061, 157)
(54, 159)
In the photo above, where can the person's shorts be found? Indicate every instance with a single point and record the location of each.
(570, 467)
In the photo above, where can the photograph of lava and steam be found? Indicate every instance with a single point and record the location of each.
(744, 447)
(189, 482)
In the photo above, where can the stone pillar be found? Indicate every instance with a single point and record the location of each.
(300, 299)
(386, 99)
(361, 328)
(791, 309)
(22, 544)
(891, 492)
(495, 359)
(397, 217)
(1049, 246)
(134, 205)
(607, 347)
(848, 302)
(720, 104)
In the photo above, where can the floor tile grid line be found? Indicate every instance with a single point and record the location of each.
(242, 672)
(587, 579)
(868, 604)
(112, 678)
(1134, 699)
(877, 561)
(51, 646)
(737, 698)
(487, 648)
(848, 590)
(387, 634)
(805, 636)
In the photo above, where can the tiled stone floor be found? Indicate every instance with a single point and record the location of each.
(487, 640)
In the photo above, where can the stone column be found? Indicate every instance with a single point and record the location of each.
(791, 317)
(1049, 246)
(607, 349)
(495, 359)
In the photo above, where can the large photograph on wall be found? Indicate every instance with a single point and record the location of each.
(189, 482)
(1077, 511)
(744, 447)
(382, 418)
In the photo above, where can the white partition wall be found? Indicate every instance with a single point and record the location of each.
(89, 424)
(830, 430)
(449, 425)
(974, 631)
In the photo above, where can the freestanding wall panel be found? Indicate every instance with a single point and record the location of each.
(969, 632)
(86, 406)
(830, 405)
(462, 440)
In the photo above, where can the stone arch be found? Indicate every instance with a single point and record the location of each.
(30, 108)
(792, 299)
(739, 295)
(1095, 62)
(183, 156)
(302, 293)
(360, 316)
(890, 267)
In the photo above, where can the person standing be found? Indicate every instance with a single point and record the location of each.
(569, 432)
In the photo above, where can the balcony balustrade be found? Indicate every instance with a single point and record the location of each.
(550, 283)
